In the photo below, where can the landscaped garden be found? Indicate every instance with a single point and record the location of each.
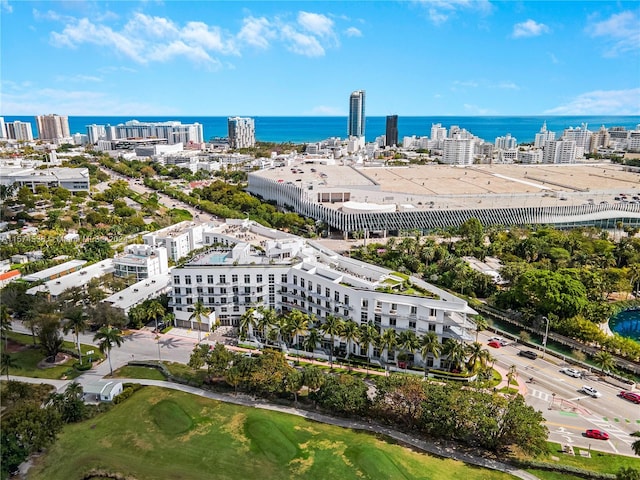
(166, 434)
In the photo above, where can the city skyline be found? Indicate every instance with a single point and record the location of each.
(304, 58)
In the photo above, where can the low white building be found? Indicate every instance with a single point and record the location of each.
(102, 391)
(179, 239)
(141, 261)
(139, 292)
(72, 179)
(57, 283)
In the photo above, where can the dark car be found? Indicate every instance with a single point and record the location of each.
(528, 354)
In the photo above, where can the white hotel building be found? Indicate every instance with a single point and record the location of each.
(286, 272)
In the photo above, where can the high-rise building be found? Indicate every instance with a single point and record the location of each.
(52, 127)
(560, 151)
(356, 114)
(600, 139)
(391, 137)
(242, 132)
(506, 143)
(95, 133)
(543, 136)
(19, 131)
(458, 150)
(3, 129)
(173, 131)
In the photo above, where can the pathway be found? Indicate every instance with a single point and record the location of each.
(432, 447)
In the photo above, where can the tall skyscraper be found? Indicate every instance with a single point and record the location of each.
(3, 129)
(242, 132)
(544, 136)
(356, 114)
(52, 127)
(391, 137)
(19, 131)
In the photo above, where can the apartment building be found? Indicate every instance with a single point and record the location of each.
(292, 273)
(141, 262)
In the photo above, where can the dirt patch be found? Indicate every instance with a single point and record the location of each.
(59, 360)
(13, 346)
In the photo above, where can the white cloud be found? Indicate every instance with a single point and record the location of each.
(553, 58)
(257, 32)
(6, 7)
(476, 110)
(316, 24)
(27, 100)
(301, 43)
(529, 28)
(620, 30)
(601, 102)
(440, 11)
(353, 32)
(320, 110)
(78, 78)
(465, 83)
(508, 86)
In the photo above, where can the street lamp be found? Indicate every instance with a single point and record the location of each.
(546, 333)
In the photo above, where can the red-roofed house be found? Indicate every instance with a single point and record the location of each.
(9, 276)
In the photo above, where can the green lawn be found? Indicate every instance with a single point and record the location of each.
(599, 462)
(164, 434)
(149, 373)
(27, 360)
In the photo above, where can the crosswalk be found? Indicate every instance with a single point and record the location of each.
(538, 394)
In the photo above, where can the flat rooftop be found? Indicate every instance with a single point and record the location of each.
(456, 187)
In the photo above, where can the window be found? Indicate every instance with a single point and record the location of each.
(223, 290)
(247, 299)
(235, 290)
(394, 307)
(283, 278)
(412, 324)
(211, 290)
(295, 279)
(327, 293)
(259, 289)
(365, 303)
(392, 321)
(414, 310)
(198, 278)
(223, 279)
(302, 282)
(247, 290)
(223, 309)
(178, 300)
(234, 278)
(176, 290)
(235, 300)
(176, 280)
(199, 290)
(209, 279)
(310, 286)
(346, 299)
(187, 279)
(259, 278)
(432, 312)
(212, 300)
(247, 279)
(223, 300)
(345, 313)
(363, 317)
(336, 296)
(284, 289)
(189, 300)
(432, 327)
(189, 291)
(318, 289)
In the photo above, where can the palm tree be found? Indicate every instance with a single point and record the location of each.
(605, 361)
(7, 362)
(295, 323)
(332, 326)
(408, 342)
(388, 341)
(108, 337)
(368, 336)
(475, 352)
(266, 318)
(76, 321)
(247, 323)
(5, 325)
(74, 391)
(312, 340)
(351, 334)
(429, 345)
(199, 311)
(154, 310)
(455, 352)
(481, 324)
(635, 446)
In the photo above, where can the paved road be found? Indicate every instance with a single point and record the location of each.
(569, 412)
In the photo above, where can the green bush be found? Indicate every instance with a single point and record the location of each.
(82, 367)
(129, 389)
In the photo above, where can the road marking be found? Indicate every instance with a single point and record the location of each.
(538, 394)
(577, 398)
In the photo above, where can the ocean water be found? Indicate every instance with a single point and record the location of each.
(313, 129)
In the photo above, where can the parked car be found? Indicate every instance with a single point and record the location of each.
(500, 340)
(528, 354)
(572, 372)
(494, 344)
(598, 434)
(631, 396)
(590, 391)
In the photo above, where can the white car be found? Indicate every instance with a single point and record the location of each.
(572, 372)
(590, 391)
(500, 340)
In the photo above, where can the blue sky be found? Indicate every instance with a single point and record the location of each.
(438, 57)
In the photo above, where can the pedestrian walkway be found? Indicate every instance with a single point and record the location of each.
(432, 447)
